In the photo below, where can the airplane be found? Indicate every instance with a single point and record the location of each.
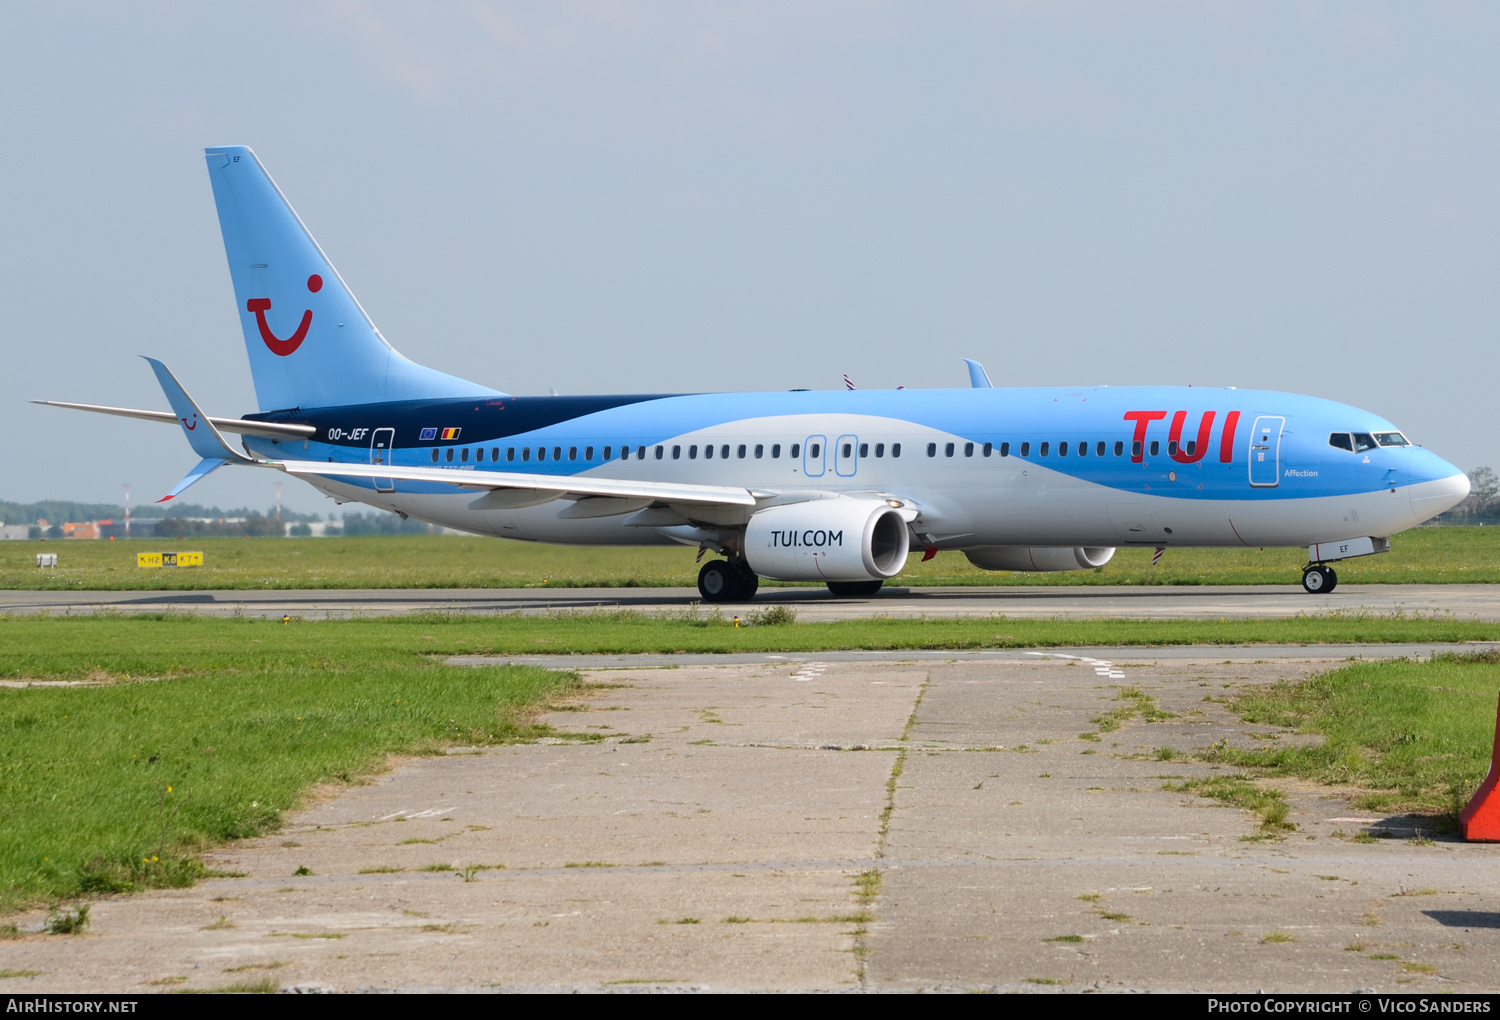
(836, 486)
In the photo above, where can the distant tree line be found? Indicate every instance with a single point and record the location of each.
(1481, 505)
(56, 511)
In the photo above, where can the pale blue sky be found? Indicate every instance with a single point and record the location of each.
(608, 197)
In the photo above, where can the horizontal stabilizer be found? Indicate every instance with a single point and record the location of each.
(205, 467)
(665, 492)
(269, 429)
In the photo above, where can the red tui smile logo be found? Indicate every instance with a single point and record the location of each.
(277, 346)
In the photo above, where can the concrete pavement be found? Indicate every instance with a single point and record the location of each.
(824, 825)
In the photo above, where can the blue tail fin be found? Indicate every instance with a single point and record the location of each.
(310, 343)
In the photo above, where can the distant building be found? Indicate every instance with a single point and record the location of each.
(83, 529)
(15, 532)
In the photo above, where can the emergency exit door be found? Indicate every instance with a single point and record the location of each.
(1265, 452)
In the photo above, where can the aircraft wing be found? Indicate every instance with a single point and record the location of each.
(570, 485)
(273, 430)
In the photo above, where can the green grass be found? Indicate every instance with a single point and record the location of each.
(208, 731)
(1412, 735)
(1269, 804)
(1422, 555)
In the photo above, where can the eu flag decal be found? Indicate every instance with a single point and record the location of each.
(429, 434)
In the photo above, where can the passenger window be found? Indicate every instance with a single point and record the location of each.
(525, 453)
(740, 453)
(640, 453)
(1119, 448)
(1099, 448)
(1341, 441)
(947, 449)
(1062, 448)
(932, 449)
(1363, 441)
(968, 449)
(1171, 447)
(607, 451)
(624, 453)
(880, 449)
(1026, 449)
(795, 451)
(1043, 450)
(988, 449)
(557, 453)
(724, 451)
(895, 449)
(1135, 448)
(588, 453)
(572, 453)
(760, 450)
(848, 450)
(541, 453)
(1391, 439)
(815, 450)
(450, 455)
(864, 449)
(463, 455)
(1005, 449)
(1083, 449)
(479, 453)
(434, 455)
(775, 451)
(659, 450)
(1155, 447)
(676, 452)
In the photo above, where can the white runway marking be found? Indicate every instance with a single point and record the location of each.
(429, 813)
(809, 671)
(1102, 667)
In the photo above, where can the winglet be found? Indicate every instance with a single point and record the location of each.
(205, 466)
(205, 439)
(977, 376)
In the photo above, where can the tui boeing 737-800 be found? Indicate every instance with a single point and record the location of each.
(833, 486)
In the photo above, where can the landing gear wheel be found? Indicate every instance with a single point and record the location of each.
(723, 581)
(854, 589)
(718, 581)
(1319, 580)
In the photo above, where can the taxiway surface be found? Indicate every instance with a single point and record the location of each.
(1466, 601)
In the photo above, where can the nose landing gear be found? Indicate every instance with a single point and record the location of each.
(727, 581)
(1319, 579)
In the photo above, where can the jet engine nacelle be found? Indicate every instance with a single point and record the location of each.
(840, 539)
(1020, 557)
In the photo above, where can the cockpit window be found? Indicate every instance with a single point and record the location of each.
(1391, 439)
(1363, 441)
(1341, 441)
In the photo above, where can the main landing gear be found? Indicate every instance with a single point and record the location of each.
(1319, 579)
(854, 589)
(726, 581)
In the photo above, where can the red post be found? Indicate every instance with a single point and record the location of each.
(1480, 821)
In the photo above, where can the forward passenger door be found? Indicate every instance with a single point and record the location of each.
(1265, 452)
